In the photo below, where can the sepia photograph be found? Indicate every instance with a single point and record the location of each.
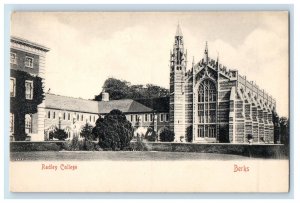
(149, 101)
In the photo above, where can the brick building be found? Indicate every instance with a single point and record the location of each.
(215, 103)
(27, 69)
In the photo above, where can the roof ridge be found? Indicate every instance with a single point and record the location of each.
(71, 97)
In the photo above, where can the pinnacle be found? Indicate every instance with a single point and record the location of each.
(206, 47)
(178, 31)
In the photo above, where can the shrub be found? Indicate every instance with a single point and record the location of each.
(34, 146)
(98, 148)
(139, 145)
(114, 131)
(76, 144)
(250, 138)
(167, 135)
(87, 133)
(66, 145)
(88, 145)
(59, 134)
(151, 135)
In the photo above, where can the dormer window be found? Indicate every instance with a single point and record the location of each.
(28, 62)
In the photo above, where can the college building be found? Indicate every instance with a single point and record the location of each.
(215, 103)
(27, 69)
(71, 114)
(207, 100)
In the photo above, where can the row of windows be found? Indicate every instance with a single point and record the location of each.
(28, 60)
(206, 131)
(69, 116)
(28, 123)
(149, 117)
(28, 88)
(164, 117)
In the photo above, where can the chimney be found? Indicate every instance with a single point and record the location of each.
(105, 96)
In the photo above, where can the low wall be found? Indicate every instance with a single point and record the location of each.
(26, 146)
(264, 150)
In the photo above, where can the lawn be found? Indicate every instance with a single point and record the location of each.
(119, 155)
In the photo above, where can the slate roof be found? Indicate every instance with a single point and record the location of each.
(89, 106)
(160, 104)
(124, 105)
(70, 103)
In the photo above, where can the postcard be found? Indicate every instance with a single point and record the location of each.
(149, 101)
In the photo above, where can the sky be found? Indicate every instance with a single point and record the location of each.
(88, 47)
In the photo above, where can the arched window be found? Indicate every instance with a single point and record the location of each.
(207, 111)
(68, 131)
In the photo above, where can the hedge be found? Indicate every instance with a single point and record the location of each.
(259, 151)
(24, 146)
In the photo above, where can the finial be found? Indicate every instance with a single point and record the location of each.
(206, 53)
(178, 30)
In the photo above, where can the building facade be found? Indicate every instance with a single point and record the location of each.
(215, 103)
(72, 114)
(27, 69)
(208, 101)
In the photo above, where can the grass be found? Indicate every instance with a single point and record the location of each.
(119, 156)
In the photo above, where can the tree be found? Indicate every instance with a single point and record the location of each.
(167, 135)
(122, 89)
(154, 91)
(275, 119)
(284, 130)
(117, 89)
(87, 132)
(114, 131)
(59, 134)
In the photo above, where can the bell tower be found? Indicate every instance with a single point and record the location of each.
(177, 85)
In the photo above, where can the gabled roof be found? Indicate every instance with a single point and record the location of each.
(53, 101)
(124, 105)
(71, 104)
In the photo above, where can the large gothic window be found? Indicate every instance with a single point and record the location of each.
(207, 102)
